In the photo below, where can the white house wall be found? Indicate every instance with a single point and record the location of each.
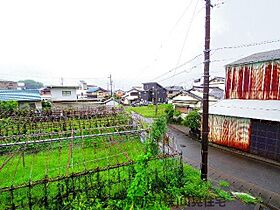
(56, 94)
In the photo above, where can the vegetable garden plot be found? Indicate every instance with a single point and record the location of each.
(34, 162)
(53, 162)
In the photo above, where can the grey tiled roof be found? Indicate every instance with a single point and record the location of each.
(178, 88)
(258, 57)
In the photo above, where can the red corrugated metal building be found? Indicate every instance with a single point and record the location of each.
(248, 118)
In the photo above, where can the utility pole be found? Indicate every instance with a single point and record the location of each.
(111, 85)
(205, 128)
(156, 98)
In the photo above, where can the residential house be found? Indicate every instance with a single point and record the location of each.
(217, 82)
(97, 93)
(45, 94)
(21, 86)
(173, 90)
(119, 93)
(189, 100)
(213, 91)
(63, 93)
(7, 85)
(25, 98)
(112, 102)
(214, 82)
(248, 119)
(153, 92)
(82, 90)
(131, 96)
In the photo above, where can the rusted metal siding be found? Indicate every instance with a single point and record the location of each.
(253, 81)
(265, 139)
(230, 131)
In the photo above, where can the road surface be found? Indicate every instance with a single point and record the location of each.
(254, 174)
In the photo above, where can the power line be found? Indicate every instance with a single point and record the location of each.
(199, 64)
(246, 45)
(182, 15)
(186, 36)
(177, 67)
(184, 71)
(170, 32)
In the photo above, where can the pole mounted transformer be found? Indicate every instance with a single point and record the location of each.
(205, 108)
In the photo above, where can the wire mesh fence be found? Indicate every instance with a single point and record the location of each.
(47, 165)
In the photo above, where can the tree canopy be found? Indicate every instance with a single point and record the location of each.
(31, 84)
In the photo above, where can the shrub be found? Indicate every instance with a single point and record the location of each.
(192, 120)
(8, 105)
(46, 104)
(172, 115)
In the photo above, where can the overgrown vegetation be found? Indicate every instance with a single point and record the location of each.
(172, 115)
(192, 120)
(31, 84)
(155, 185)
(8, 106)
(223, 194)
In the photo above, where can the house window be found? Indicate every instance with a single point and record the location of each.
(66, 93)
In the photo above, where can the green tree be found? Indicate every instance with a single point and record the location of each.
(31, 84)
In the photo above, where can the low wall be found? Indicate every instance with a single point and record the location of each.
(75, 104)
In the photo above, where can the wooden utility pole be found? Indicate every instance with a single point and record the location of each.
(205, 113)
(156, 97)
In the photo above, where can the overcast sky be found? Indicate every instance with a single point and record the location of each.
(134, 40)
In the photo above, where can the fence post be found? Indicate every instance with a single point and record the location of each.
(46, 191)
(12, 197)
(29, 195)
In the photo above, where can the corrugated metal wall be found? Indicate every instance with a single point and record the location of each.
(253, 81)
(265, 139)
(230, 131)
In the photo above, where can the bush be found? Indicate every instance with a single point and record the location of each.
(172, 115)
(46, 104)
(8, 105)
(193, 120)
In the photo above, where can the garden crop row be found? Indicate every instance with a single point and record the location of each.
(99, 111)
(13, 128)
(39, 137)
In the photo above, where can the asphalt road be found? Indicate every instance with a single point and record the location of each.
(246, 169)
